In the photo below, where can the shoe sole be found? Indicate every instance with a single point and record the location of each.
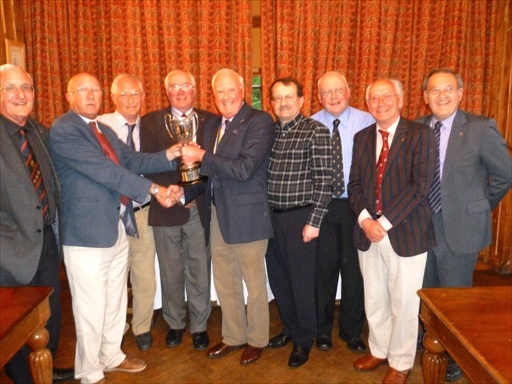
(134, 370)
(370, 369)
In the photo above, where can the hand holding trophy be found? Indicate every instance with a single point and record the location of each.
(183, 130)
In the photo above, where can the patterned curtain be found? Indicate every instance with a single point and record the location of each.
(147, 38)
(368, 39)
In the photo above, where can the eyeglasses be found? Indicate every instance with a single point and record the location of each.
(124, 95)
(436, 91)
(85, 91)
(183, 87)
(330, 92)
(385, 98)
(11, 88)
(286, 98)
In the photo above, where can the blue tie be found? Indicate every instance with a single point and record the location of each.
(434, 196)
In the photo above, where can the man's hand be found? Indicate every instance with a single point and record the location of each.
(191, 154)
(176, 192)
(310, 233)
(173, 151)
(164, 197)
(373, 230)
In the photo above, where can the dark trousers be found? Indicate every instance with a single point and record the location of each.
(338, 256)
(291, 266)
(47, 274)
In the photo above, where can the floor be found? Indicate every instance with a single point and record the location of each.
(183, 364)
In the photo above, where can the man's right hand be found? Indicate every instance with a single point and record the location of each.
(373, 230)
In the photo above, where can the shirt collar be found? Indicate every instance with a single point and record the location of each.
(291, 123)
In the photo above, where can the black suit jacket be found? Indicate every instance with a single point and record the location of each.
(405, 186)
(153, 138)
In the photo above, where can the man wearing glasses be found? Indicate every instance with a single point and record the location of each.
(183, 258)
(128, 95)
(29, 251)
(299, 189)
(473, 175)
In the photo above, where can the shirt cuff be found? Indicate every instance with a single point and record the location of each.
(385, 223)
(363, 216)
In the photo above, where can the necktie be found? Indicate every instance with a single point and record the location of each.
(220, 133)
(109, 152)
(129, 137)
(381, 168)
(338, 181)
(35, 173)
(434, 196)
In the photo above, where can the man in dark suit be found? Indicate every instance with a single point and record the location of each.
(235, 159)
(179, 234)
(475, 173)
(100, 175)
(29, 251)
(388, 193)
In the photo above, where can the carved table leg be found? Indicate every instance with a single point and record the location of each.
(434, 360)
(40, 359)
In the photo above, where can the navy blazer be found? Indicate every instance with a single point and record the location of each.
(92, 184)
(237, 175)
(477, 174)
(405, 186)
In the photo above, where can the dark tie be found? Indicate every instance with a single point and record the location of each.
(381, 168)
(222, 131)
(129, 137)
(338, 181)
(434, 196)
(35, 173)
(109, 152)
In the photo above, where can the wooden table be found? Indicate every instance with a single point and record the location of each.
(24, 312)
(475, 326)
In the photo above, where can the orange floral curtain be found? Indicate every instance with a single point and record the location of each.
(368, 39)
(147, 38)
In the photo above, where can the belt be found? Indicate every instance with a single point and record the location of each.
(141, 207)
(284, 210)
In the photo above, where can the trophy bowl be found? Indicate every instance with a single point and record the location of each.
(183, 130)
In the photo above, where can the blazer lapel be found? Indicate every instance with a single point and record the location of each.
(457, 135)
(396, 145)
(235, 127)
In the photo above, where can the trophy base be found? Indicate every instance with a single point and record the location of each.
(186, 183)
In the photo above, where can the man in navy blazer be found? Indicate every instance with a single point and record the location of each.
(235, 159)
(475, 174)
(394, 230)
(98, 174)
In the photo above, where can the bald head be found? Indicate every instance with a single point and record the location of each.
(17, 94)
(84, 95)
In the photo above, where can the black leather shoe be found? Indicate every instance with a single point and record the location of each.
(323, 342)
(453, 371)
(63, 374)
(174, 337)
(356, 344)
(144, 341)
(279, 341)
(299, 356)
(200, 340)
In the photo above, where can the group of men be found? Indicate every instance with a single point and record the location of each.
(371, 197)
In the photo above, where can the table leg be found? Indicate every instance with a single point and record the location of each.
(433, 360)
(40, 359)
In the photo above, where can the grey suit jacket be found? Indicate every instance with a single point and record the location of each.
(21, 222)
(237, 174)
(92, 184)
(477, 174)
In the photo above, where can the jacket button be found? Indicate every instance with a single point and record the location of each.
(39, 230)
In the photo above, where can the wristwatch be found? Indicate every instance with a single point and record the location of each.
(154, 191)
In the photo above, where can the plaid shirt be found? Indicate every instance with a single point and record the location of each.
(300, 167)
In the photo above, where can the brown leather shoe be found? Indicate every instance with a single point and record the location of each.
(221, 350)
(368, 363)
(130, 365)
(250, 355)
(395, 377)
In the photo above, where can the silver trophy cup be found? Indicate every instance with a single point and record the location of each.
(183, 130)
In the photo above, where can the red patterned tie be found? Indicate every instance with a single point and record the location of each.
(33, 168)
(109, 152)
(381, 167)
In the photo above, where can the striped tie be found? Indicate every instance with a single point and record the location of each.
(35, 173)
(434, 196)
